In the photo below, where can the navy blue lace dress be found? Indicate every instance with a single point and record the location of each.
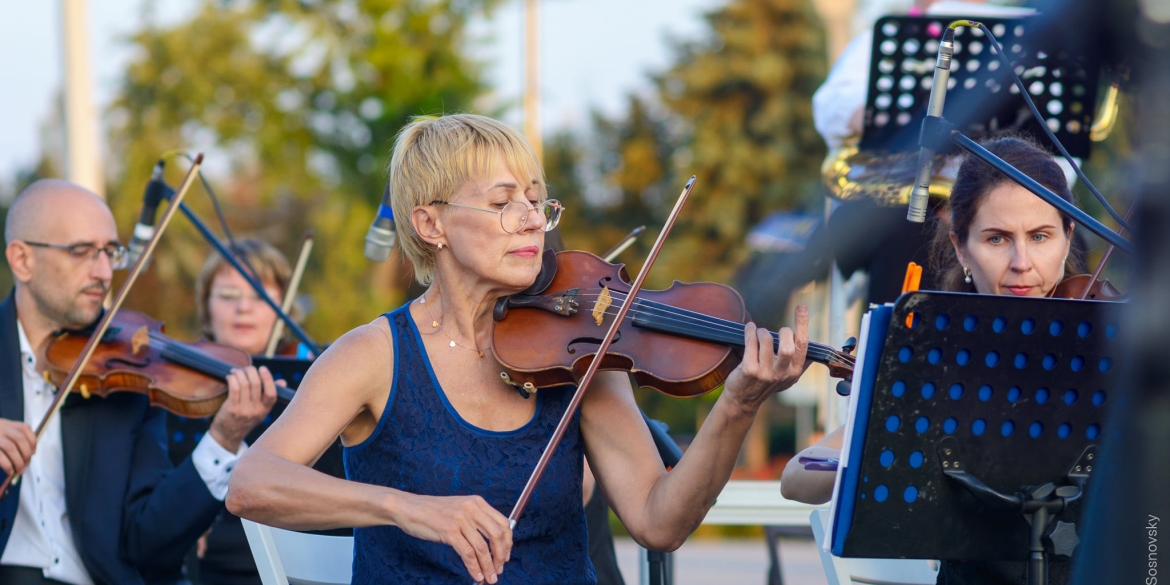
(422, 446)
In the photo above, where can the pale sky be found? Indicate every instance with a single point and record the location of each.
(593, 52)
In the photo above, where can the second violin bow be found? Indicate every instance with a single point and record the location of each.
(290, 295)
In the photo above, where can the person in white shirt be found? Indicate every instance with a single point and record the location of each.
(98, 501)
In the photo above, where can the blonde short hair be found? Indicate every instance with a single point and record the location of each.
(271, 265)
(434, 156)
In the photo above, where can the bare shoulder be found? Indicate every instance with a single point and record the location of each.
(356, 365)
(347, 384)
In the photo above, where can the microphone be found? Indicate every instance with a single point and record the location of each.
(156, 191)
(381, 237)
(920, 195)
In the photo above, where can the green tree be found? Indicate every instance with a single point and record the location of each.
(745, 95)
(296, 104)
(612, 180)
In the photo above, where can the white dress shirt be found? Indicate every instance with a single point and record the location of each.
(41, 535)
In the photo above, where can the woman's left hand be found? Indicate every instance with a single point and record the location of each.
(766, 370)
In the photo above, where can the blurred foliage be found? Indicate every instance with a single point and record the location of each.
(735, 110)
(745, 94)
(296, 104)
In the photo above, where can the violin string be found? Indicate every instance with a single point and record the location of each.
(708, 324)
(192, 358)
(815, 351)
(712, 324)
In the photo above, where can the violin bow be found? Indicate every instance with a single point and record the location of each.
(1105, 257)
(290, 295)
(104, 323)
(595, 364)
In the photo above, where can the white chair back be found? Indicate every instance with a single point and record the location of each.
(839, 571)
(285, 557)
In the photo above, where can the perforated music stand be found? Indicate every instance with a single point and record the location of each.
(982, 99)
(1016, 388)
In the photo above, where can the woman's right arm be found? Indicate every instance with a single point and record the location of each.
(808, 485)
(274, 484)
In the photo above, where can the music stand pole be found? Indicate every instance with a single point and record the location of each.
(937, 130)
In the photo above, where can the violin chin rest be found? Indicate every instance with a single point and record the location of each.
(548, 271)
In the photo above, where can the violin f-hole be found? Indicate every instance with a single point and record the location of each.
(123, 361)
(588, 340)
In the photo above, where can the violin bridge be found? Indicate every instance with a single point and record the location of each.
(604, 300)
(140, 340)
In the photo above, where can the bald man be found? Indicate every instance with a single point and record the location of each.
(99, 502)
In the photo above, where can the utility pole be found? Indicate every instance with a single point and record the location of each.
(82, 158)
(532, 75)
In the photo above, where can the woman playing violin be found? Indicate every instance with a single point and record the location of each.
(437, 446)
(229, 310)
(996, 238)
(230, 313)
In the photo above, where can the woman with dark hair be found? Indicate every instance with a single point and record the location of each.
(997, 238)
(1004, 239)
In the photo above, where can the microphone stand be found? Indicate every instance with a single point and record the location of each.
(252, 281)
(937, 131)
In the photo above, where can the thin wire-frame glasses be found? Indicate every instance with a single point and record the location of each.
(119, 258)
(515, 214)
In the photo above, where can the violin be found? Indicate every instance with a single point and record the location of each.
(683, 341)
(1091, 286)
(187, 379)
(1087, 287)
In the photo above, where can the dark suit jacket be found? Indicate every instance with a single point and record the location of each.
(130, 510)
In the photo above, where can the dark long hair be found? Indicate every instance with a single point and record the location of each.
(975, 180)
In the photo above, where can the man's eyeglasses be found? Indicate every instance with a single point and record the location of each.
(117, 253)
(515, 214)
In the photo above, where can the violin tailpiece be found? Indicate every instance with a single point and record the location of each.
(564, 303)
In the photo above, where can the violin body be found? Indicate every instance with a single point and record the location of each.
(1099, 289)
(549, 339)
(187, 379)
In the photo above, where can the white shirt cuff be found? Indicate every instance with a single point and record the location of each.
(215, 464)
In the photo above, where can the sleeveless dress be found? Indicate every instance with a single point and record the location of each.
(422, 446)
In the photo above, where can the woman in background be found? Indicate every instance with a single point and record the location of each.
(231, 313)
(996, 238)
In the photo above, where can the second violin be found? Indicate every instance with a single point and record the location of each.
(187, 379)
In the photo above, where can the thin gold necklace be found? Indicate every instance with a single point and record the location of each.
(422, 300)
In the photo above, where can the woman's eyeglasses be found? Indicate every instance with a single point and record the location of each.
(514, 215)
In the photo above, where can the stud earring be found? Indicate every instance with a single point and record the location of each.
(440, 245)
(966, 275)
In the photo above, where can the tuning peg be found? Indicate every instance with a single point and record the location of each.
(849, 345)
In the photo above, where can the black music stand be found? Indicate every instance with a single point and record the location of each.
(982, 97)
(980, 419)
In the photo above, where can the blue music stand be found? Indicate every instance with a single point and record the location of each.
(981, 417)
